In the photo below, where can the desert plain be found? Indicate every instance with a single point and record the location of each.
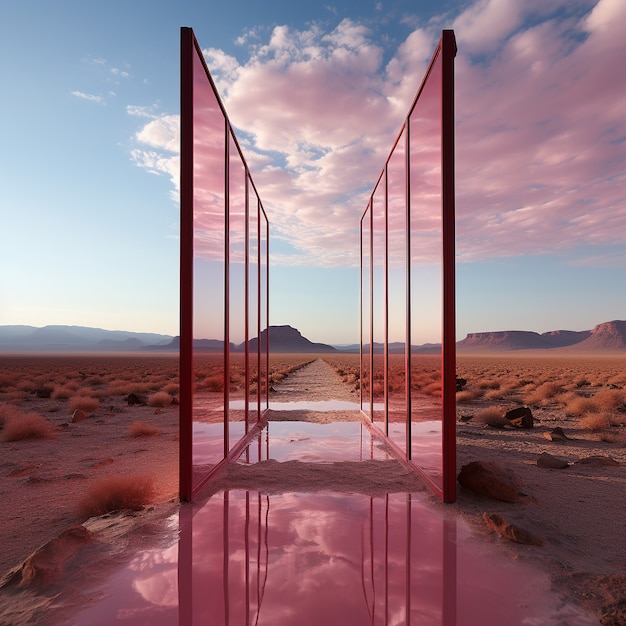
(70, 423)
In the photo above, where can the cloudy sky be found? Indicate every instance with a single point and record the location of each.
(317, 93)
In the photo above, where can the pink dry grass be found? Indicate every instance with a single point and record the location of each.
(84, 403)
(466, 396)
(141, 429)
(493, 417)
(595, 422)
(19, 426)
(160, 398)
(116, 493)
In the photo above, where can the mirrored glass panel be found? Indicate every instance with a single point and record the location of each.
(426, 277)
(264, 310)
(237, 231)
(397, 288)
(254, 353)
(379, 299)
(208, 275)
(366, 273)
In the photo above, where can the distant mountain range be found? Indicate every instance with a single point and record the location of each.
(605, 337)
(75, 339)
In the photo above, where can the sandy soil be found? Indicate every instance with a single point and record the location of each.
(42, 481)
(577, 512)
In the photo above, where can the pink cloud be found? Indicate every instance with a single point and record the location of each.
(540, 138)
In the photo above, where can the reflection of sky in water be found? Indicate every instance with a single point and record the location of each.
(244, 557)
(306, 405)
(310, 442)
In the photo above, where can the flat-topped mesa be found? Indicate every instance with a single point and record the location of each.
(605, 337)
(289, 340)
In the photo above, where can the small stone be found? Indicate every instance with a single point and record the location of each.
(509, 531)
(78, 416)
(556, 434)
(492, 480)
(134, 398)
(551, 462)
(47, 565)
(522, 417)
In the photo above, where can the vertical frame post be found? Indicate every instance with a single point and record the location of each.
(186, 265)
(448, 51)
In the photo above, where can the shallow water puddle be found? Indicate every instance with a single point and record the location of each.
(305, 405)
(246, 557)
(307, 537)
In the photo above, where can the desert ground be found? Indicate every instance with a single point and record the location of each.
(69, 423)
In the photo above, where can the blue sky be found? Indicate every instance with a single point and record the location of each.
(317, 92)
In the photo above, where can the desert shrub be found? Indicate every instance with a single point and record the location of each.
(171, 388)
(85, 403)
(489, 384)
(580, 405)
(543, 393)
(433, 389)
(466, 396)
(492, 416)
(62, 392)
(609, 399)
(7, 380)
(115, 493)
(7, 411)
(123, 388)
(618, 418)
(14, 396)
(141, 429)
(26, 385)
(160, 398)
(19, 426)
(595, 421)
(214, 383)
(378, 388)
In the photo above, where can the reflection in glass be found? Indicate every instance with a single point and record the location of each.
(366, 273)
(264, 309)
(237, 205)
(396, 285)
(411, 282)
(426, 275)
(379, 300)
(208, 270)
(224, 232)
(252, 306)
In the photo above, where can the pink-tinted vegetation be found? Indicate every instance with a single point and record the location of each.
(141, 429)
(425, 373)
(19, 425)
(160, 399)
(591, 390)
(116, 493)
(84, 403)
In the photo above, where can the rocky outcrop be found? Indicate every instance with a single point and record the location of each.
(492, 480)
(509, 531)
(605, 337)
(521, 417)
(550, 461)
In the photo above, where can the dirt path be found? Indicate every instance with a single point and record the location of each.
(315, 381)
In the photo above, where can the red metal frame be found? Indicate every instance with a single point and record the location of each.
(186, 262)
(446, 487)
(190, 54)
